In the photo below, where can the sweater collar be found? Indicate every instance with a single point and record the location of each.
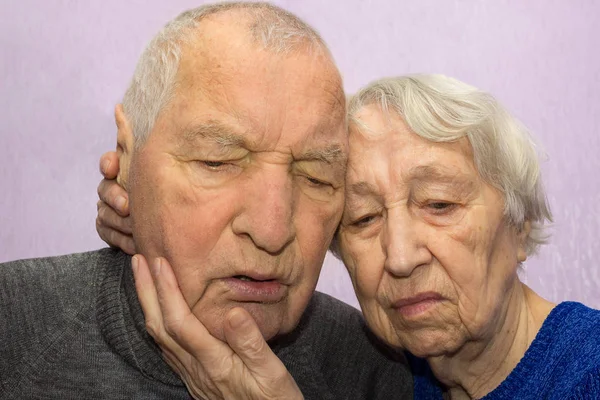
(122, 323)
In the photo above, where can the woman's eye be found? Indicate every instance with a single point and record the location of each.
(364, 221)
(440, 206)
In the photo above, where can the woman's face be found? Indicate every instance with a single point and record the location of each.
(432, 259)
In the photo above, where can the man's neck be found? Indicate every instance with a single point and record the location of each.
(479, 367)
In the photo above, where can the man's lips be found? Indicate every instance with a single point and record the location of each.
(246, 288)
(416, 305)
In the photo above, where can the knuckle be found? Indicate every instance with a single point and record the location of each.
(101, 189)
(280, 375)
(126, 224)
(112, 219)
(114, 238)
(120, 223)
(253, 346)
(112, 192)
(221, 372)
(153, 328)
(130, 246)
(102, 213)
(173, 329)
(104, 234)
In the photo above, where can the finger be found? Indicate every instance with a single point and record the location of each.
(145, 286)
(111, 219)
(146, 291)
(109, 165)
(246, 340)
(179, 321)
(115, 196)
(115, 238)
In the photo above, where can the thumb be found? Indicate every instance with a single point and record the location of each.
(246, 340)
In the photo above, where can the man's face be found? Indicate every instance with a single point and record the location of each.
(240, 185)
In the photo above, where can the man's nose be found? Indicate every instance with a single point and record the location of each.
(404, 243)
(267, 215)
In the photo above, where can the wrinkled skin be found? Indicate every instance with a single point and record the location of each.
(426, 222)
(238, 176)
(242, 175)
(242, 368)
(432, 257)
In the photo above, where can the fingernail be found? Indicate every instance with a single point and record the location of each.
(104, 166)
(134, 264)
(237, 320)
(156, 266)
(120, 202)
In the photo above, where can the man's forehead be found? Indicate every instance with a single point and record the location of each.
(232, 91)
(215, 102)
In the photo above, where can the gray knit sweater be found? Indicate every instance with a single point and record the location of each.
(71, 327)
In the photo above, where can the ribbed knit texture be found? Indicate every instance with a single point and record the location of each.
(71, 327)
(562, 363)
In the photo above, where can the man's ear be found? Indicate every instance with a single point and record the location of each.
(125, 145)
(522, 237)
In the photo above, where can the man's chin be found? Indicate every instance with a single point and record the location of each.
(270, 319)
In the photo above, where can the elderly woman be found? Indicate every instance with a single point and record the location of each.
(444, 202)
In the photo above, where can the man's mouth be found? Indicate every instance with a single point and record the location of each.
(245, 288)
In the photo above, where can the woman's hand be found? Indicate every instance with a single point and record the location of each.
(113, 222)
(244, 367)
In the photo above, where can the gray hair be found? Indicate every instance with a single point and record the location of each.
(442, 109)
(154, 79)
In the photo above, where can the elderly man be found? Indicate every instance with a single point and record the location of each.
(232, 146)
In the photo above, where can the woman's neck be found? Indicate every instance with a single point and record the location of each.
(480, 366)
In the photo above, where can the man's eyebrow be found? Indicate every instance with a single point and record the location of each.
(214, 131)
(333, 154)
(224, 136)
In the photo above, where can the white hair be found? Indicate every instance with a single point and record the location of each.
(154, 79)
(443, 109)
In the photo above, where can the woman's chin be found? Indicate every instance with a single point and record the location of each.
(431, 343)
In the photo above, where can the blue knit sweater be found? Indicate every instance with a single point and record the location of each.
(562, 363)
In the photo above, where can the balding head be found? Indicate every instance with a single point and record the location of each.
(266, 26)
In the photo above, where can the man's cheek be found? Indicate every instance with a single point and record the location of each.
(320, 227)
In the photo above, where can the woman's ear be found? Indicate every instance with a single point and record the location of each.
(522, 237)
(125, 145)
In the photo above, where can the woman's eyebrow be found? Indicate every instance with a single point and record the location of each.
(428, 173)
(362, 188)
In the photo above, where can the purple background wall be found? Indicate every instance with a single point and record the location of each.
(65, 63)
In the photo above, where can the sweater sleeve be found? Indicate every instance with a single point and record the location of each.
(589, 387)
